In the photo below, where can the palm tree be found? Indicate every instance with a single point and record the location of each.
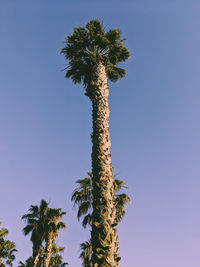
(93, 55)
(36, 225)
(44, 224)
(7, 249)
(82, 197)
(54, 225)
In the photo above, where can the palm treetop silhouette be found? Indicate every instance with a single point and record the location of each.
(89, 46)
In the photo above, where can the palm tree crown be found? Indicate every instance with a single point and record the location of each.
(36, 222)
(88, 46)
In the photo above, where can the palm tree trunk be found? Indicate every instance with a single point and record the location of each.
(36, 254)
(48, 250)
(103, 234)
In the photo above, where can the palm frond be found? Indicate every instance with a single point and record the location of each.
(83, 209)
(82, 197)
(86, 252)
(28, 229)
(118, 185)
(87, 220)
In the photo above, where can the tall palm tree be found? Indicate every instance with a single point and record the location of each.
(82, 197)
(7, 249)
(54, 225)
(36, 225)
(93, 55)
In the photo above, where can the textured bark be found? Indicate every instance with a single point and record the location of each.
(48, 250)
(53, 231)
(103, 234)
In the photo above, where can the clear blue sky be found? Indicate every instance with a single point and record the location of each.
(45, 124)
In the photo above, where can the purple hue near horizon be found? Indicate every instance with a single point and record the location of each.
(154, 122)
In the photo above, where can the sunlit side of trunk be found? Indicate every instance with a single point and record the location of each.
(103, 234)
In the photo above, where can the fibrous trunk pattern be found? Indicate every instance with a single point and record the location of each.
(36, 254)
(103, 234)
(48, 249)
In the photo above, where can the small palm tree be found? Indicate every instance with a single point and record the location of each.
(7, 249)
(44, 224)
(36, 225)
(82, 197)
(93, 55)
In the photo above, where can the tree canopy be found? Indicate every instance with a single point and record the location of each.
(88, 46)
(7, 249)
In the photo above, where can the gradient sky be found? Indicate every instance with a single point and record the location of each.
(154, 122)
